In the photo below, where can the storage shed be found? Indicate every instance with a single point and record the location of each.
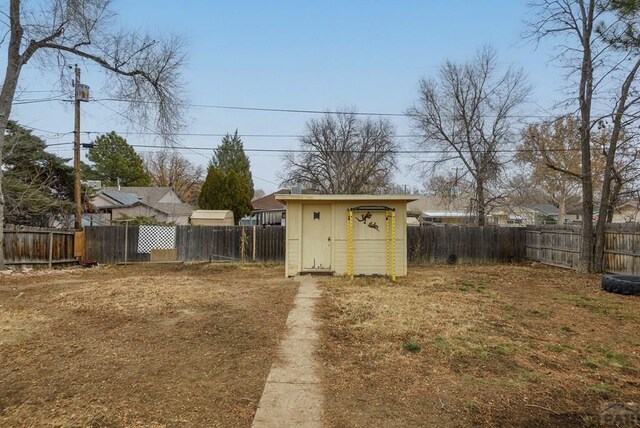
(211, 218)
(346, 234)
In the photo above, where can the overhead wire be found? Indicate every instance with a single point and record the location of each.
(144, 127)
(287, 110)
(258, 150)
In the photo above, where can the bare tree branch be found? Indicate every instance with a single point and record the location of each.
(467, 113)
(342, 154)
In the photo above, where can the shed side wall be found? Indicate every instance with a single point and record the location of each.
(369, 243)
(294, 230)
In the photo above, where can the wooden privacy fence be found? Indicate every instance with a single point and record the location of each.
(119, 244)
(464, 244)
(33, 247)
(560, 247)
(425, 245)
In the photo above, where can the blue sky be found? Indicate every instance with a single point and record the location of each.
(367, 55)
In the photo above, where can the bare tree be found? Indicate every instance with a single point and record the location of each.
(257, 194)
(170, 168)
(467, 113)
(343, 154)
(598, 57)
(142, 70)
(625, 175)
(552, 151)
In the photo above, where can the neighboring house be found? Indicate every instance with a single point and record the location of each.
(435, 209)
(626, 213)
(512, 216)
(545, 213)
(159, 202)
(533, 214)
(412, 221)
(459, 210)
(267, 211)
(550, 214)
(573, 215)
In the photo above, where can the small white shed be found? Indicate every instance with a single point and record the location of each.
(211, 218)
(346, 234)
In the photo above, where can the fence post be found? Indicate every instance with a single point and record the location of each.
(243, 245)
(253, 244)
(50, 249)
(126, 241)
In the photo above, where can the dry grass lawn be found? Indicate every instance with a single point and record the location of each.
(148, 346)
(477, 345)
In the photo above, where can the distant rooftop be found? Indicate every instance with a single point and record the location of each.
(148, 195)
(546, 209)
(123, 198)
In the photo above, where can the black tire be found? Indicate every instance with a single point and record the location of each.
(627, 285)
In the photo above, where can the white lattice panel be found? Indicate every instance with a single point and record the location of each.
(156, 237)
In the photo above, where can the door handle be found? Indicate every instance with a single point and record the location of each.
(328, 238)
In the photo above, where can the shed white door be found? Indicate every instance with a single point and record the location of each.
(316, 237)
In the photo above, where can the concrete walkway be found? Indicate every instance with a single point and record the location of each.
(292, 396)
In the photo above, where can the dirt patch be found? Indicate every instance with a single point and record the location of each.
(165, 345)
(476, 345)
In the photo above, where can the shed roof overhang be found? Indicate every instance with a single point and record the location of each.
(379, 199)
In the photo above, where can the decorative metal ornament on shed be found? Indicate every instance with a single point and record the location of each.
(389, 236)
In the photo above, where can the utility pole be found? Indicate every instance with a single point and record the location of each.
(81, 94)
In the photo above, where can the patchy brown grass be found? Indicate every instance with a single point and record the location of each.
(186, 345)
(477, 345)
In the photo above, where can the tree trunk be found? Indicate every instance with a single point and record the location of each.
(14, 65)
(615, 194)
(586, 252)
(606, 201)
(480, 201)
(562, 208)
(585, 97)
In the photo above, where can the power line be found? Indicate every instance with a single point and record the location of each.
(411, 152)
(144, 127)
(304, 111)
(295, 110)
(36, 100)
(205, 134)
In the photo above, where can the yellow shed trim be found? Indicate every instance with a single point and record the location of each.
(317, 233)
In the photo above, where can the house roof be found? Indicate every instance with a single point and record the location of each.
(437, 206)
(174, 209)
(546, 209)
(211, 214)
(376, 198)
(269, 202)
(448, 214)
(123, 198)
(148, 195)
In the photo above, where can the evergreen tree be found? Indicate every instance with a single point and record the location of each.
(38, 186)
(230, 156)
(213, 195)
(226, 191)
(114, 159)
